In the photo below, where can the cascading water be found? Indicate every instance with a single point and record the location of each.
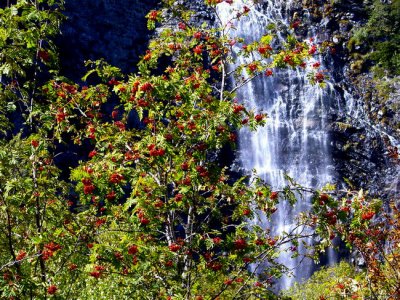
(295, 140)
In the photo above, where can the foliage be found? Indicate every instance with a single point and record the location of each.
(372, 234)
(149, 212)
(27, 50)
(382, 36)
(340, 281)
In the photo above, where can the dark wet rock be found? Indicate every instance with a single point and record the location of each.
(109, 29)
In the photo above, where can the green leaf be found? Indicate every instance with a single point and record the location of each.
(266, 39)
(84, 78)
(11, 107)
(14, 11)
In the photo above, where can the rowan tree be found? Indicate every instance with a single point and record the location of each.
(150, 212)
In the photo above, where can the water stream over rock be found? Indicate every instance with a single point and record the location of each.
(295, 139)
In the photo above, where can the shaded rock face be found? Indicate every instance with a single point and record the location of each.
(362, 150)
(365, 129)
(116, 30)
(111, 29)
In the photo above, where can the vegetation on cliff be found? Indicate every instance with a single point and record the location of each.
(149, 212)
(379, 37)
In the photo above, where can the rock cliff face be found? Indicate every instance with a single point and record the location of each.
(365, 137)
(365, 131)
(111, 29)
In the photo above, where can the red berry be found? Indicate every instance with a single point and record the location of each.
(169, 263)
(228, 282)
(215, 266)
(316, 65)
(198, 49)
(146, 87)
(113, 82)
(51, 290)
(168, 137)
(161, 152)
(120, 125)
(111, 196)
(44, 55)
(217, 240)
(340, 286)
(99, 268)
(247, 260)
(143, 103)
(159, 203)
(187, 181)
(118, 256)
(237, 108)
(274, 195)
(259, 118)
(52, 246)
(178, 197)
(174, 247)
(240, 244)
(246, 212)
(100, 221)
(132, 250)
(367, 215)
(323, 197)
(116, 178)
(21, 255)
(89, 189)
(252, 67)
(259, 242)
(262, 50)
(60, 116)
(319, 77)
(295, 24)
(268, 72)
(86, 181)
(197, 35)
(95, 274)
(35, 143)
(153, 15)
(182, 26)
(312, 50)
(46, 254)
(144, 221)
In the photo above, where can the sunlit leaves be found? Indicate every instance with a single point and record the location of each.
(148, 208)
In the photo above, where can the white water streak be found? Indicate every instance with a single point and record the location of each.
(295, 140)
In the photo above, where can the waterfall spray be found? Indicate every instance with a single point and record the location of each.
(295, 140)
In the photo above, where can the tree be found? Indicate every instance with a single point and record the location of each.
(150, 212)
(372, 232)
(340, 281)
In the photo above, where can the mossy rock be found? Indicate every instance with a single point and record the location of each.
(357, 66)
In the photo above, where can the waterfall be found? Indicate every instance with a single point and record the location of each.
(295, 140)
